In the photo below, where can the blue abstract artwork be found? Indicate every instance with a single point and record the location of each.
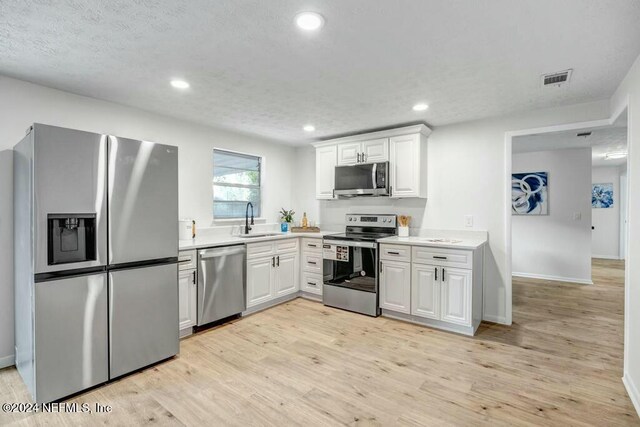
(529, 193)
(602, 196)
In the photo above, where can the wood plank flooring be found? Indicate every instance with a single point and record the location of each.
(305, 364)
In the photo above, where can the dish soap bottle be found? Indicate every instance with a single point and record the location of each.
(305, 221)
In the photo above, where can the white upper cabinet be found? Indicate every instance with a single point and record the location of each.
(370, 151)
(375, 150)
(325, 171)
(349, 153)
(408, 166)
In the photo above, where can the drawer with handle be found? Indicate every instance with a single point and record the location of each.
(187, 260)
(395, 252)
(312, 245)
(312, 283)
(442, 256)
(312, 263)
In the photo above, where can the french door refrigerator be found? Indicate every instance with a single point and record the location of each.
(96, 245)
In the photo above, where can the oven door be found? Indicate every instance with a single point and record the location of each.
(351, 265)
(369, 179)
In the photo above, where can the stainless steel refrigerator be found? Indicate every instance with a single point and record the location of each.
(96, 247)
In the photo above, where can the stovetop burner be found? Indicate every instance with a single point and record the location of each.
(364, 237)
(366, 227)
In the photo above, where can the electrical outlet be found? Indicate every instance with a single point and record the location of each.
(468, 220)
(577, 216)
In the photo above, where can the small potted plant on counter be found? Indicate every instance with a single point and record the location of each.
(287, 218)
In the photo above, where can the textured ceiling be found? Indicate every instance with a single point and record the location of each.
(602, 141)
(252, 70)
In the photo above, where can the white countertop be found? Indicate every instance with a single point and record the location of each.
(224, 240)
(461, 242)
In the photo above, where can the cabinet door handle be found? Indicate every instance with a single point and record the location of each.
(194, 277)
(439, 257)
(311, 245)
(443, 274)
(393, 253)
(436, 269)
(358, 158)
(380, 266)
(311, 262)
(273, 261)
(278, 260)
(363, 158)
(311, 284)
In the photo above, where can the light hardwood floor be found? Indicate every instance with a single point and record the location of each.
(305, 364)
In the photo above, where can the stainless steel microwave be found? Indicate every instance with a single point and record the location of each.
(365, 179)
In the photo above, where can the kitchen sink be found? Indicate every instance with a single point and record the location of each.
(256, 235)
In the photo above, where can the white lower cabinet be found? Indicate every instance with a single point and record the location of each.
(456, 295)
(434, 286)
(273, 276)
(286, 274)
(395, 286)
(187, 298)
(259, 280)
(425, 291)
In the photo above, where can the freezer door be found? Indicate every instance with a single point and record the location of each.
(143, 317)
(70, 335)
(143, 201)
(70, 174)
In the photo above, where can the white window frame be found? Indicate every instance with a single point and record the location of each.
(239, 220)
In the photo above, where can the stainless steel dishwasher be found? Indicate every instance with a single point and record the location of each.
(222, 286)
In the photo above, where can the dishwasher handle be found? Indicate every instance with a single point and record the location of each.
(222, 251)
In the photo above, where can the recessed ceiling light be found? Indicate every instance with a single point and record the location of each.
(420, 107)
(309, 21)
(616, 155)
(309, 128)
(179, 84)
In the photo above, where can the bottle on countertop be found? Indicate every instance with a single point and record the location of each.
(305, 221)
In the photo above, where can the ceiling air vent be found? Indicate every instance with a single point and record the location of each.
(556, 79)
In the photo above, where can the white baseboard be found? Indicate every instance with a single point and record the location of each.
(495, 319)
(7, 361)
(632, 391)
(554, 278)
(606, 257)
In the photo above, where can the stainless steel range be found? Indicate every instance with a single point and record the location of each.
(350, 263)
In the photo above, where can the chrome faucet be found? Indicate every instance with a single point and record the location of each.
(246, 218)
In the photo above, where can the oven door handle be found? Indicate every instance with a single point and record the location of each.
(371, 245)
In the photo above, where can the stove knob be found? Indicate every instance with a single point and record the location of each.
(350, 218)
(384, 220)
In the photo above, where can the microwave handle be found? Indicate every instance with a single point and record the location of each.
(373, 175)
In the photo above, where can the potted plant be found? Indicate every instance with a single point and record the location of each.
(286, 218)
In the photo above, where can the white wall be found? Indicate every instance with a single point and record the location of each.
(466, 177)
(628, 94)
(556, 246)
(606, 222)
(22, 104)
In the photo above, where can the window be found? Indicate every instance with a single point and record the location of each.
(236, 181)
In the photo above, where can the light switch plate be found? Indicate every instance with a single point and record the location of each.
(468, 220)
(577, 216)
